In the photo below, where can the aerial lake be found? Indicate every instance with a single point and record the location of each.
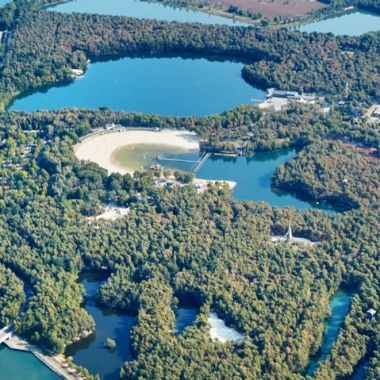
(141, 9)
(351, 24)
(340, 305)
(90, 352)
(17, 365)
(164, 86)
(253, 177)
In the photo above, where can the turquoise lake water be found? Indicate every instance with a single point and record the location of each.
(142, 9)
(164, 86)
(90, 352)
(253, 176)
(340, 305)
(352, 24)
(16, 365)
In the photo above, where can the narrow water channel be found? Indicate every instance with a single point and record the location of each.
(340, 305)
(351, 24)
(90, 352)
(142, 9)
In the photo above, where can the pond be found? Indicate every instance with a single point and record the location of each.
(185, 317)
(253, 177)
(142, 156)
(164, 86)
(351, 24)
(17, 365)
(340, 305)
(90, 352)
(359, 373)
(142, 9)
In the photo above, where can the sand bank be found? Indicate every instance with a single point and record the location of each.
(110, 213)
(220, 332)
(98, 148)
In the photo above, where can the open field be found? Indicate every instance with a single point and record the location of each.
(276, 8)
(98, 148)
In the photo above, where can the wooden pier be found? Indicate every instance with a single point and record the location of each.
(197, 163)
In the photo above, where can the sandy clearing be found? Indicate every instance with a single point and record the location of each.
(99, 147)
(220, 332)
(110, 213)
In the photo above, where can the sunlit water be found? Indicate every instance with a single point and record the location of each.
(352, 24)
(253, 176)
(340, 305)
(142, 9)
(17, 365)
(164, 86)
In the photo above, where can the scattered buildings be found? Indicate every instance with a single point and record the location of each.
(277, 100)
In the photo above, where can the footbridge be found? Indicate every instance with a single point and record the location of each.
(197, 164)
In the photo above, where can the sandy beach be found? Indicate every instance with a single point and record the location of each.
(99, 147)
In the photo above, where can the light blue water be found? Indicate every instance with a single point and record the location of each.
(340, 305)
(352, 24)
(164, 86)
(253, 176)
(17, 365)
(141, 9)
(3, 2)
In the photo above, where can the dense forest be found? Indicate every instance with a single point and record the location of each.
(11, 296)
(177, 244)
(45, 46)
(328, 170)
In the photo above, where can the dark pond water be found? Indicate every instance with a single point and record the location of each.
(340, 305)
(253, 176)
(141, 9)
(352, 24)
(90, 352)
(359, 373)
(185, 317)
(164, 86)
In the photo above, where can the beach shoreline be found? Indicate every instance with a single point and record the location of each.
(99, 147)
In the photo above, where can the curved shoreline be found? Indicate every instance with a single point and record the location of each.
(99, 147)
